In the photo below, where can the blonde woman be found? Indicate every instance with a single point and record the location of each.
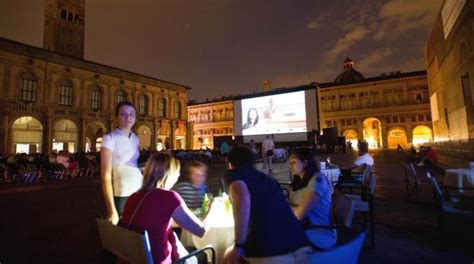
(118, 162)
(154, 207)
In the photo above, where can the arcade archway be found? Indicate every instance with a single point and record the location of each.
(94, 131)
(372, 131)
(421, 135)
(65, 135)
(351, 136)
(397, 136)
(27, 135)
(144, 135)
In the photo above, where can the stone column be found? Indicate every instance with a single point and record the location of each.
(383, 127)
(360, 129)
(81, 137)
(153, 136)
(409, 131)
(5, 143)
(48, 134)
(172, 134)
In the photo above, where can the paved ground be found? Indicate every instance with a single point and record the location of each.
(405, 230)
(55, 223)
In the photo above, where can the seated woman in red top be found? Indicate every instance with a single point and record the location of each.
(154, 207)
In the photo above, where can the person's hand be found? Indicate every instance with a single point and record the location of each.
(233, 255)
(113, 218)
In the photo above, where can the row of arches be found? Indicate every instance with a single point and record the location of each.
(27, 136)
(395, 136)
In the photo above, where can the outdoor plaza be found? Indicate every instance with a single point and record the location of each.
(55, 222)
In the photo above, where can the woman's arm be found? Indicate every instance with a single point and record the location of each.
(106, 178)
(308, 202)
(187, 220)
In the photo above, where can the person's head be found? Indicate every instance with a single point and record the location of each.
(252, 116)
(240, 156)
(125, 113)
(363, 147)
(196, 172)
(303, 166)
(161, 171)
(302, 162)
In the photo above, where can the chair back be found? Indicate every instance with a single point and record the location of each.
(345, 254)
(367, 171)
(342, 209)
(436, 188)
(129, 245)
(372, 181)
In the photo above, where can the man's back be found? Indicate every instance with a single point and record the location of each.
(273, 228)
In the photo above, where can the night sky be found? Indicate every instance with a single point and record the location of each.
(223, 47)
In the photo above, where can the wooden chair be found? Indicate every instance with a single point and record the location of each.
(347, 253)
(443, 196)
(133, 246)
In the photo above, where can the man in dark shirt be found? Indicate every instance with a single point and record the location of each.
(266, 230)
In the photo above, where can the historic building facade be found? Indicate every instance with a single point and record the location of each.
(209, 121)
(450, 60)
(385, 111)
(53, 99)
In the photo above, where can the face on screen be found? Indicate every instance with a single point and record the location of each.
(274, 114)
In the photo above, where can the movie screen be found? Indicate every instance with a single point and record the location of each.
(274, 114)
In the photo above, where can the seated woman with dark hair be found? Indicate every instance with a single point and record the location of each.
(310, 197)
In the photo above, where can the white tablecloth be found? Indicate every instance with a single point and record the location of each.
(460, 178)
(332, 174)
(221, 233)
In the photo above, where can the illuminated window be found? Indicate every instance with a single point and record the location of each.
(65, 93)
(162, 107)
(121, 96)
(143, 105)
(28, 87)
(177, 109)
(419, 98)
(96, 98)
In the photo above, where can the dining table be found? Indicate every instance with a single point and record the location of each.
(221, 232)
(460, 178)
(332, 173)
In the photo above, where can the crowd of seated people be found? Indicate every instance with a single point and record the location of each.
(38, 167)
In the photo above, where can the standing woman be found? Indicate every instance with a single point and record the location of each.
(310, 197)
(118, 162)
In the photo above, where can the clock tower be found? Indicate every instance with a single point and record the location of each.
(64, 26)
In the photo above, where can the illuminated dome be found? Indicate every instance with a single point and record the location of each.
(349, 75)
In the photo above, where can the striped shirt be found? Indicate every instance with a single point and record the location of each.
(192, 196)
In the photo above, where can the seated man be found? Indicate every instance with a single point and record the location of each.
(266, 230)
(192, 189)
(364, 159)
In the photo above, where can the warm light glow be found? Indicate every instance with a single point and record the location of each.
(422, 135)
(220, 214)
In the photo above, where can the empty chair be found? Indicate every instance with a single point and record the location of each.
(411, 179)
(445, 205)
(362, 194)
(347, 253)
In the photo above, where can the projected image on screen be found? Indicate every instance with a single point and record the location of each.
(274, 114)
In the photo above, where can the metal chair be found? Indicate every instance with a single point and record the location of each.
(411, 179)
(445, 205)
(362, 193)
